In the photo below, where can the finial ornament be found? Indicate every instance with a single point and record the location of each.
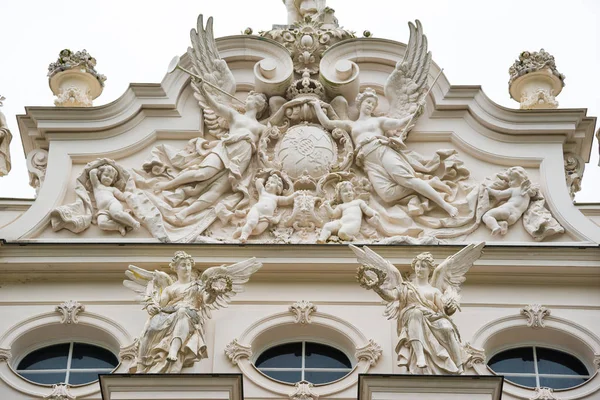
(74, 80)
(535, 81)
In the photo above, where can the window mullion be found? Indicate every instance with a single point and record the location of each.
(69, 358)
(535, 368)
(303, 359)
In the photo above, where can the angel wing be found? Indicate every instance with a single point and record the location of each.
(448, 276)
(224, 282)
(407, 86)
(375, 272)
(148, 285)
(207, 63)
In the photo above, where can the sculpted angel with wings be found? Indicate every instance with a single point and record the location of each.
(222, 163)
(429, 342)
(379, 139)
(173, 336)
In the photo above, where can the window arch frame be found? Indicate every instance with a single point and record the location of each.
(323, 328)
(581, 343)
(19, 340)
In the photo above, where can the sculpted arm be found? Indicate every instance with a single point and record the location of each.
(94, 178)
(224, 111)
(389, 124)
(330, 124)
(287, 200)
(368, 211)
(500, 194)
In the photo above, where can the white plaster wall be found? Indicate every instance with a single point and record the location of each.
(347, 301)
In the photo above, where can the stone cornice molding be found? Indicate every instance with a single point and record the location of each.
(510, 264)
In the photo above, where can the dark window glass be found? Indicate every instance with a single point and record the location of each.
(79, 378)
(321, 356)
(561, 383)
(317, 377)
(559, 363)
(88, 356)
(45, 378)
(528, 381)
(287, 355)
(51, 357)
(285, 376)
(513, 361)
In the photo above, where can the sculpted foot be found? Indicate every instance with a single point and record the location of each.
(122, 230)
(159, 187)
(503, 227)
(171, 357)
(453, 211)
(421, 363)
(496, 231)
(136, 225)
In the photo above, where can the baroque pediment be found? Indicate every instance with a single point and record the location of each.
(304, 135)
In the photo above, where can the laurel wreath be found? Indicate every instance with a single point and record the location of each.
(219, 278)
(365, 281)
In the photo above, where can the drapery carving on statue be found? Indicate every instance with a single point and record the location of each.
(429, 342)
(179, 307)
(101, 189)
(5, 139)
(186, 185)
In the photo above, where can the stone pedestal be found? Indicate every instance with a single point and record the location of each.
(536, 90)
(534, 80)
(74, 80)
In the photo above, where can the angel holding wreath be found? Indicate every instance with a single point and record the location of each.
(429, 341)
(174, 337)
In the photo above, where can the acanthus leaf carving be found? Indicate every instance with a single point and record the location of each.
(535, 314)
(574, 168)
(369, 352)
(236, 351)
(37, 162)
(60, 392)
(302, 311)
(544, 393)
(129, 353)
(475, 355)
(5, 354)
(70, 310)
(303, 391)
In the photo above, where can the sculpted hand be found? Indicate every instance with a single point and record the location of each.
(153, 309)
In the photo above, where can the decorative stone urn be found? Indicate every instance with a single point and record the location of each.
(534, 80)
(74, 80)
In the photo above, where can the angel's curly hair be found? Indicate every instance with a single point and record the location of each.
(278, 182)
(262, 100)
(180, 255)
(338, 190)
(368, 92)
(426, 257)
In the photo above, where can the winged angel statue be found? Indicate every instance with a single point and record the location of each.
(173, 336)
(395, 172)
(429, 342)
(190, 181)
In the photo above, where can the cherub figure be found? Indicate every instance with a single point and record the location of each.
(174, 335)
(517, 194)
(429, 342)
(349, 213)
(261, 215)
(111, 215)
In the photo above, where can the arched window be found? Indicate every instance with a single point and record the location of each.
(535, 366)
(304, 361)
(71, 363)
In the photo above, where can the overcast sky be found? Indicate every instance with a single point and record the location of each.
(474, 41)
